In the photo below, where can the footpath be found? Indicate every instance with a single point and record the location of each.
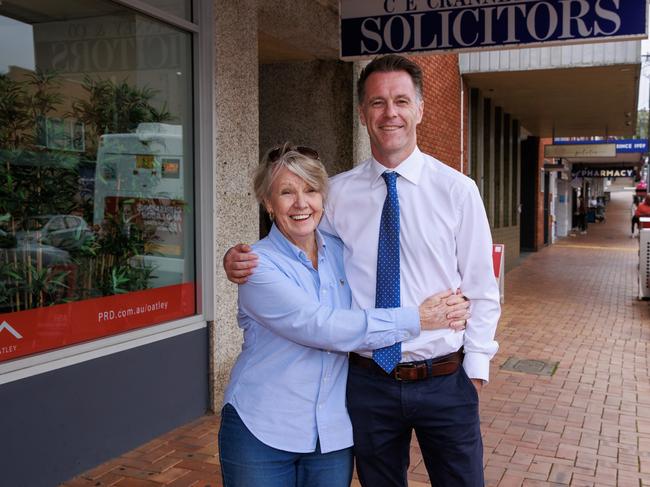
(568, 401)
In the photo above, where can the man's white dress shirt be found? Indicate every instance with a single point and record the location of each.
(445, 243)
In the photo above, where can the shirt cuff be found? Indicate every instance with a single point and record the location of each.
(477, 365)
(407, 320)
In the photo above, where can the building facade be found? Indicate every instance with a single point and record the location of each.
(128, 135)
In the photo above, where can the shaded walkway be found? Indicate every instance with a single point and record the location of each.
(588, 424)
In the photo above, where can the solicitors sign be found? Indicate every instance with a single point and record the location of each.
(371, 27)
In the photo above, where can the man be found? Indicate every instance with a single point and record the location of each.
(444, 242)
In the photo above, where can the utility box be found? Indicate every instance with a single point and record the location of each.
(644, 258)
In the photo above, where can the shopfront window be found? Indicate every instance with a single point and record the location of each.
(180, 8)
(96, 173)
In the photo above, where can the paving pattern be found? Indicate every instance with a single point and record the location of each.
(588, 424)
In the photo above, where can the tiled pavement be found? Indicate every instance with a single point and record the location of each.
(587, 425)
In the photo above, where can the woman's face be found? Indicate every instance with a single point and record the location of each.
(296, 206)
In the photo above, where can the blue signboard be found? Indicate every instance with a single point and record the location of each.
(632, 145)
(623, 146)
(371, 27)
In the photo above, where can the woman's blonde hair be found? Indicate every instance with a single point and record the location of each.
(302, 161)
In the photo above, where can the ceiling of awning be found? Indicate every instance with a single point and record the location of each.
(284, 39)
(572, 102)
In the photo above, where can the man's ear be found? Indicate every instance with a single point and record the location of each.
(362, 116)
(420, 111)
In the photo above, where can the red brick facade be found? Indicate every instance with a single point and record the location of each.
(439, 134)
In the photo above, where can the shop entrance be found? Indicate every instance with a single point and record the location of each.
(529, 187)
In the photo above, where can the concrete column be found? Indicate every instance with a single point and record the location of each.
(236, 154)
(308, 103)
(361, 142)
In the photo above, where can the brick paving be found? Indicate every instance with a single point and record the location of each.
(587, 425)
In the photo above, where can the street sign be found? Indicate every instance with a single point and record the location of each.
(372, 27)
(580, 150)
(623, 146)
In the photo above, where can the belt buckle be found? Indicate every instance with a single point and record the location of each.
(402, 366)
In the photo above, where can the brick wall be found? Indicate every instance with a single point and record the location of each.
(440, 131)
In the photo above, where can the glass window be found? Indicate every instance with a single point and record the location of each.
(96, 173)
(179, 8)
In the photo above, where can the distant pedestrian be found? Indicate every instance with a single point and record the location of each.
(635, 219)
(582, 215)
(643, 210)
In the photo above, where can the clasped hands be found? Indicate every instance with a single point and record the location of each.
(445, 309)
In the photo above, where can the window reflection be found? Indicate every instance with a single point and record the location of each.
(95, 153)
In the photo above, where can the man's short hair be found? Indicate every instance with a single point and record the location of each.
(387, 64)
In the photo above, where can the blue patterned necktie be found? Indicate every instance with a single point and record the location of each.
(387, 293)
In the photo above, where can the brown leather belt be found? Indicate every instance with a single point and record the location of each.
(423, 369)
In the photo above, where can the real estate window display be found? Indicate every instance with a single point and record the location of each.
(96, 173)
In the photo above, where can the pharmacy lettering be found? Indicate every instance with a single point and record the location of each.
(604, 172)
(370, 27)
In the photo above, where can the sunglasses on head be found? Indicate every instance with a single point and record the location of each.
(278, 152)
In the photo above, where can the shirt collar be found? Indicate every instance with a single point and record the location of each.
(409, 169)
(279, 240)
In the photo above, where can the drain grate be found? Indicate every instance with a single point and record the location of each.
(530, 366)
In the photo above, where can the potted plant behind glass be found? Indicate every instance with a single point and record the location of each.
(40, 181)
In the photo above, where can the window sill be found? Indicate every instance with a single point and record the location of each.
(22, 368)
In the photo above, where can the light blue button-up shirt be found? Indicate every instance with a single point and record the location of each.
(288, 384)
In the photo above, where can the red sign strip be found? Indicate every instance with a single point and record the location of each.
(37, 330)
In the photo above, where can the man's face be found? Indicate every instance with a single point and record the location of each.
(391, 112)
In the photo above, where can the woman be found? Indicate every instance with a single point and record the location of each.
(284, 422)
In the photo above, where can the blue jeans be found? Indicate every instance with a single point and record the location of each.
(247, 462)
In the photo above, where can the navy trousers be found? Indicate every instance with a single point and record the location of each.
(443, 412)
